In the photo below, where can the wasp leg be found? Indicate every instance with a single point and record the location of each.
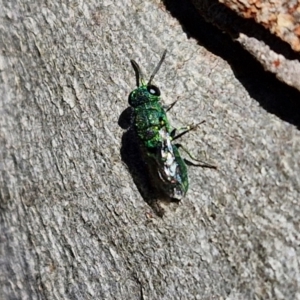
(168, 107)
(202, 164)
(186, 130)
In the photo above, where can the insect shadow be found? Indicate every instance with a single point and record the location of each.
(139, 169)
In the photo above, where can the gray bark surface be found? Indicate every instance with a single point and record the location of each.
(74, 224)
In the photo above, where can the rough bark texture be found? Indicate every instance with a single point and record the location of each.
(73, 222)
(279, 17)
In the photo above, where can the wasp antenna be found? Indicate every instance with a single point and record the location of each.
(157, 67)
(138, 72)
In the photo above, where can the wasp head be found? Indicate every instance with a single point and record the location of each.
(145, 92)
(143, 95)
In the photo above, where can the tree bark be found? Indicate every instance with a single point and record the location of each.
(75, 222)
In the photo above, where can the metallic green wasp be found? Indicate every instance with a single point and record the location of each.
(156, 136)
